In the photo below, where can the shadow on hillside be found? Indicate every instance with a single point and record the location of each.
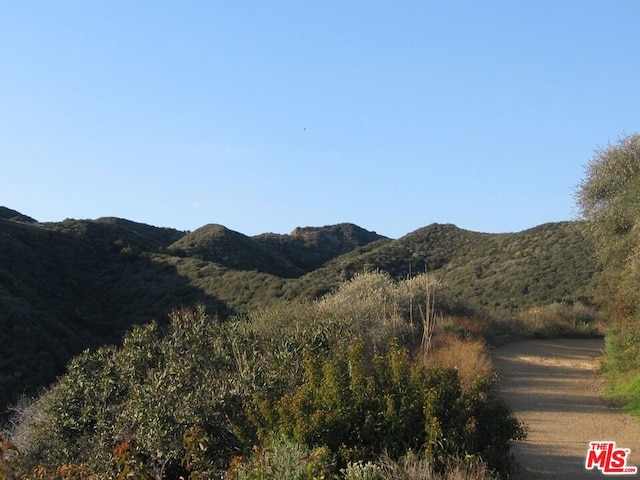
(49, 314)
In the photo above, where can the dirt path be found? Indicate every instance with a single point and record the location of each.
(554, 387)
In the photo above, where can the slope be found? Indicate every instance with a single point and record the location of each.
(79, 284)
(499, 272)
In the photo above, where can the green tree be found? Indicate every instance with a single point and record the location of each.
(609, 201)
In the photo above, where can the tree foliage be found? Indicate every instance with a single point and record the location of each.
(609, 199)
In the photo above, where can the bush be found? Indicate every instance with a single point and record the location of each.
(381, 310)
(359, 408)
(561, 320)
(282, 459)
(363, 471)
(353, 406)
(146, 394)
(608, 200)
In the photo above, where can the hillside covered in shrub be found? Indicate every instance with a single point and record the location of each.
(79, 284)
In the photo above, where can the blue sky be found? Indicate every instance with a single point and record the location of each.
(268, 115)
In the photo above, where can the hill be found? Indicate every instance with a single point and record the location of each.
(500, 272)
(78, 284)
(286, 256)
(14, 215)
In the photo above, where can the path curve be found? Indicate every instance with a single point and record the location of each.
(554, 387)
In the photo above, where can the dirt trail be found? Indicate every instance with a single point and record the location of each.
(554, 387)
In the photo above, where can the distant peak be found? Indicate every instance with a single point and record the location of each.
(347, 228)
(10, 214)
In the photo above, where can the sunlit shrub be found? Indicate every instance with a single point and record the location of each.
(363, 471)
(150, 391)
(561, 320)
(381, 309)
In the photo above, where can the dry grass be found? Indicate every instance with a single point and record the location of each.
(469, 357)
(415, 467)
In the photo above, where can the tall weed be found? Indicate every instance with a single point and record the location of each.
(417, 467)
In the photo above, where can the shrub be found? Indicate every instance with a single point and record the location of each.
(561, 320)
(608, 200)
(282, 459)
(359, 408)
(363, 471)
(146, 395)
(382, 310)
(354, 407)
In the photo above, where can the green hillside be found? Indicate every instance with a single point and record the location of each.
(286, 256)
(79, 284)
(74, 285)
(499, 272)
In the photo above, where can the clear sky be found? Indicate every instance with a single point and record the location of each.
(268, 115)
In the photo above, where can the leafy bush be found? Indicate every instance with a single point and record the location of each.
(382, 310)
(282, 459)
(608, 198)
(353, 407)
(359, 408)
(149, 393)
(363, 471)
